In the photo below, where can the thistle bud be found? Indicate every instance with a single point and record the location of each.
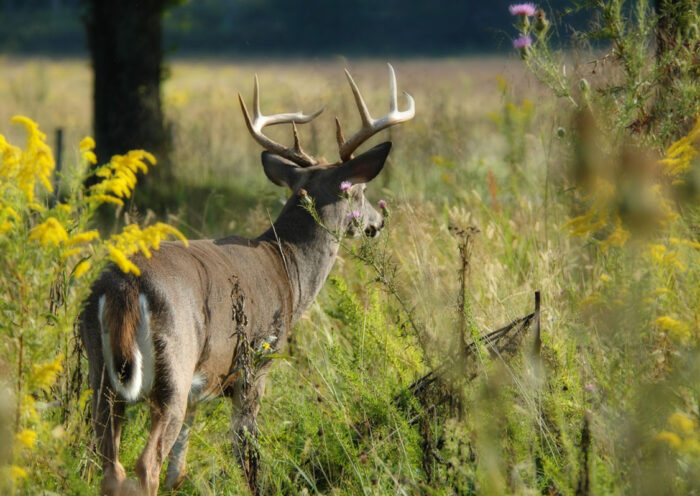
(584, 86)
(305, 199)
(541, 24)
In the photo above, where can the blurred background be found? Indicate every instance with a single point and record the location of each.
(254, 28)
(554, 149)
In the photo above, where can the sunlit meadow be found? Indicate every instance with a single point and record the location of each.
(484, 211)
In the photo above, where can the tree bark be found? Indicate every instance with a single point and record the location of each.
(125, 42)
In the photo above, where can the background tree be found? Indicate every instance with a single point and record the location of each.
(125, 42)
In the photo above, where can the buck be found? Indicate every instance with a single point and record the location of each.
(196, 322)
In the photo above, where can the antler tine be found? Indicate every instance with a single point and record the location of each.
(339, 133)
(393, 99)
(372, 126)
(361, 106)
(256, 98)
(259, 121)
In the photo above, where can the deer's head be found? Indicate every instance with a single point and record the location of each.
(338, 189)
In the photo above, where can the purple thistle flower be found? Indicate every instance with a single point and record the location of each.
(345, 186)
(522, 9)
(354, 215)
(382, 204)
(522, 42)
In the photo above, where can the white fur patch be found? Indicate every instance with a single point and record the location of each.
(143, 369)
(199, 381)
(145, 343)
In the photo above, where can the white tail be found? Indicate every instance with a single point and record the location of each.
(139, 380)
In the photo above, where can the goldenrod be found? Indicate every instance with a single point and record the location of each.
(87, 145)
(673, 440)
(119, 258)
(49, 232)
(84, 237)
(26, 438)
(681, 423)
(36, 161)
(81, 268)
(44, 375)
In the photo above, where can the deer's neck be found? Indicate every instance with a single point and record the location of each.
(308, 252)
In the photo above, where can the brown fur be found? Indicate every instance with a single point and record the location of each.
(122, 317)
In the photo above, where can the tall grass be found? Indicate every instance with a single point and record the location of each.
(609, 405)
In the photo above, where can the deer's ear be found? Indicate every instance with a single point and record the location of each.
(281, 171)
(365, 167)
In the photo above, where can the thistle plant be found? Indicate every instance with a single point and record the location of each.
(644, 66)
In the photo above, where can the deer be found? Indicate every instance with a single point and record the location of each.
(193, 325)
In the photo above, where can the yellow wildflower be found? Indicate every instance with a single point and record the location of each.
(26, 438)
(680, 153)
(665, 257)
(657, 252)
(617, 238)
(81, 268)
(87, 145)
(673, 440)
(690, 445)
(677, 329)
(266, 345)
(70, 253)
(10, 158)
(51, 231)
(84, 398)
(36, 161)
(43, 376)
(10, 212)
(133, 239)
(82, 238)
(591, 300)
(682, 423)
(16, 473)
(119, 258)
(119, 175)
(604, 277)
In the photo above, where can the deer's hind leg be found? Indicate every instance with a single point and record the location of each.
(108, 416)
(177, 461)
(167, 416)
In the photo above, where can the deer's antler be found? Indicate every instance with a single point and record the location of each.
(372, 126)
(296, 154)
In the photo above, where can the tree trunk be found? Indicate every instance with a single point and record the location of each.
(125, 42)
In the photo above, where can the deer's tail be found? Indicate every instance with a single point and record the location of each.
(127, 348)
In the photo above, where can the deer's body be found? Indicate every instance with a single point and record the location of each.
(199, 319)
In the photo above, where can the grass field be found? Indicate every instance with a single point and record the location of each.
(594, 413)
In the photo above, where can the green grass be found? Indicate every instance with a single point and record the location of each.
(337, 416)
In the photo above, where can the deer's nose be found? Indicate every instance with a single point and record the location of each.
(372, 230)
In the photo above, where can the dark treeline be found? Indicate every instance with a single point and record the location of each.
(310, 27)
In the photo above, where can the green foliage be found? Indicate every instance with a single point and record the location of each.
(646, 78)
(49, 260)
